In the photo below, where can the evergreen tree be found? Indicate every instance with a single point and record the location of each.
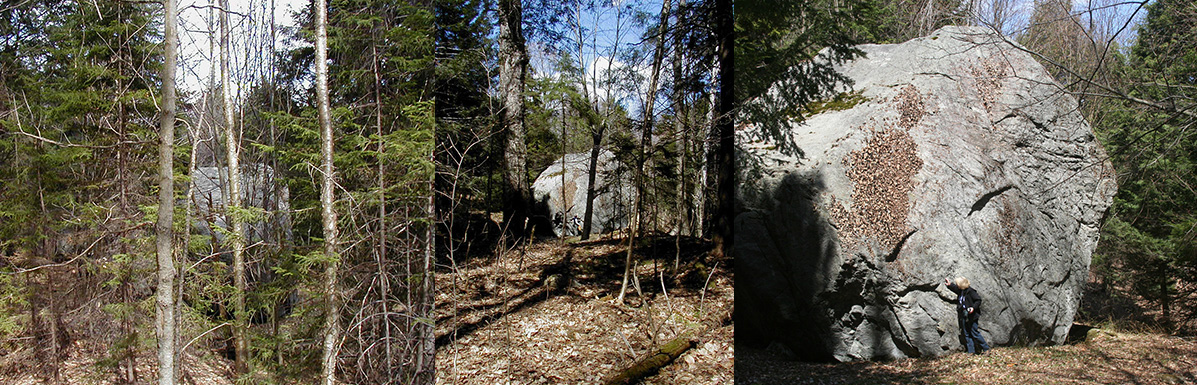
(782, 41)
(1148, 240)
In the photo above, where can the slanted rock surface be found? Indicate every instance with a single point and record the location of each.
(962, 158)
(560, 193)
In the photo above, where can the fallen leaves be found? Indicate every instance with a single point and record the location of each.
(882, 173)
(577, 337)
(1117, 359)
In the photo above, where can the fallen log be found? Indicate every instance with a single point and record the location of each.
(653, 362)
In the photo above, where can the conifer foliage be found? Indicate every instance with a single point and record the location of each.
(92, 153)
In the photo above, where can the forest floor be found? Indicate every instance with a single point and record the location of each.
(502, 320)
(1105, 358)
(80, 366)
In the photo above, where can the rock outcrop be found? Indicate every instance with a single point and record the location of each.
(961, 157)
(260, 189)
(560, 193)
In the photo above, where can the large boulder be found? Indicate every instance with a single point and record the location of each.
(260, 189)
(560, 193)
(960, 157)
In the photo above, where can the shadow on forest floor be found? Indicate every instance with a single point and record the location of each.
(1126, 346)
(1117, 340)
(1107, 358)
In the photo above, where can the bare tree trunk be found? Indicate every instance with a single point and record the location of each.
(595, 147)
(233, 202)
(645, 142)
(725, 158)
(122, 172)
(427, 363)
(513, 67)
(596, 132)
(166, 206)
(926, 22)
(646, 135)
(329, 216)
(702, 189)
(1162, 270)
(381, 234)
(193, 132)
(567, 226)
(680, 120)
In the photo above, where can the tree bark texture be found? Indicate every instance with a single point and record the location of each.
(165, 301)
(595, 148)
(652, 363)
(513, 68)
(328, 215)
(725, 157)
(233, 202)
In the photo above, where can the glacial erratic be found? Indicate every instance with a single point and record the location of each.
(964, 158)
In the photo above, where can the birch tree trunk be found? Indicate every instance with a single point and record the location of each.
(513, 67)
(328, 366)
(426, 366)
(701, 188)
(233, 202)
(165, 305)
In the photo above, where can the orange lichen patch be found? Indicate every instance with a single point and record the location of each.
(882, 174)
(910, 107)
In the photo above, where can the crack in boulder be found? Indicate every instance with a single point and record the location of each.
(984, 200)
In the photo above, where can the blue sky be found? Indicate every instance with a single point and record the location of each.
(608, 34)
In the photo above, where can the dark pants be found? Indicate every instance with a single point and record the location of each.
(973, 341)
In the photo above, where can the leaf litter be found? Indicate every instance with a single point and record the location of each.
(1107, 357)
(498, 324)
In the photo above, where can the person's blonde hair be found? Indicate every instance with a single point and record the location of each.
(962, 282)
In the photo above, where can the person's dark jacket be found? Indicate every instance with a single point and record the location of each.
(971, 299)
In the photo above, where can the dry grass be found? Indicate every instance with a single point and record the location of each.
(1107, 358)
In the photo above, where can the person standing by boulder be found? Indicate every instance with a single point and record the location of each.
(968, 312)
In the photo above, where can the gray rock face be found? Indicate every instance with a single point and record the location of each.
(560, 191)
(259, 189)
(964, 159)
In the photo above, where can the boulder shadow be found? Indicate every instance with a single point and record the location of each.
(783, 265)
